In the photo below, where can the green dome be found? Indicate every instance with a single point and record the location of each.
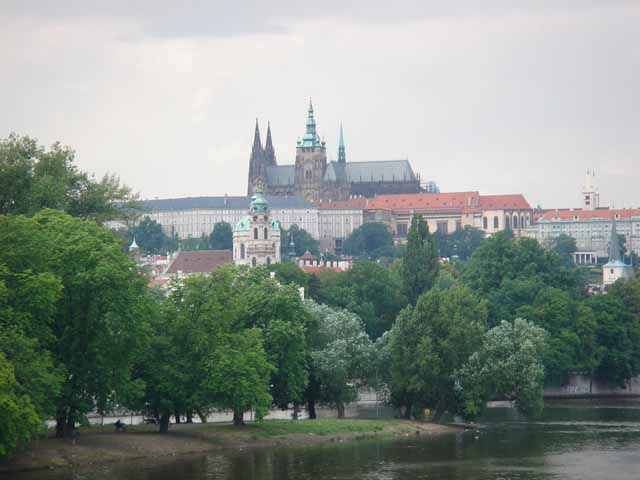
(243, 225)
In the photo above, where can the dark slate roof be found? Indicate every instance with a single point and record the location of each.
(382, 171)
(219, 203)
(199, 261)
(281, 175)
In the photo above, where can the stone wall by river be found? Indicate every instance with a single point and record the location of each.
(583, 386)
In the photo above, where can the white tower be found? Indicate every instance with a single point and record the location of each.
(256, 237)
(590, 195)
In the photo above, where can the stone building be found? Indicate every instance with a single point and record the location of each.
(450, 211)
(256, 237)
(315, 179)
(193, 217)
(590, 225)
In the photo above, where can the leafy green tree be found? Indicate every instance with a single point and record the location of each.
(341, 357)
(19, 421)
(460, 243)
(239, 374)
(571, 327)
(221, 238)
(149, 236)
(191, 243)
(279, 312)
(180, 339)
(369, 240)
(618, 336)
(508, 365)
(420, 263)
(289, 272)
(565, 247)
(33, 178)
(303, 241)
(92, 332)
(501, 258)
(368, 289)
(429, 343)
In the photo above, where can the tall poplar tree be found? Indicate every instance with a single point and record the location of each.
(420, 261)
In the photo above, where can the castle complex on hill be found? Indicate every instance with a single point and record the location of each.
(315, 179)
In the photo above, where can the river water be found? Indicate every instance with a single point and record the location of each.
(573, 440)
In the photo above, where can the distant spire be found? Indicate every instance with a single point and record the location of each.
(269, 151)
(342, 156)
(256, 161)
(614, 244)
(257, 144)
(310, 137)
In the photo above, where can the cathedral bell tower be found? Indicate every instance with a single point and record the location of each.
(590, 195)
(311, 161)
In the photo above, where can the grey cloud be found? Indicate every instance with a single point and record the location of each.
(224, 18)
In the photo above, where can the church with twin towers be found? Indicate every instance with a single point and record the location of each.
(317, 180)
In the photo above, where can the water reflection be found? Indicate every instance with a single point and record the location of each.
(574, 440)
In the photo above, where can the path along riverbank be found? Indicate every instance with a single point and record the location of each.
(96, 445)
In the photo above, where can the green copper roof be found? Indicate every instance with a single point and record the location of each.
(259, 204)
(243, 225)
(310, 138)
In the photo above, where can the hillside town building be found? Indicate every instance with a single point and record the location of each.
(315, 179)
(590, 225)
(448, 212)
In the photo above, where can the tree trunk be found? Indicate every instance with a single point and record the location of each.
(70, 426)
(189, 416)
(61, 421)
(296, 411)
(439, 411)
(407, 411)
(340, 407)
(238, 418)
(203, 417)
(311, 407)
(164, 423)
(177, 415)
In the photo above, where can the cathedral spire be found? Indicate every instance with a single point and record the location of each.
(257, 144)
(614, 244)
(310, 137)
(256, 161)
(342, 156)
(269, 151)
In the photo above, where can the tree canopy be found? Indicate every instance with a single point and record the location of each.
(33, 177)
(420, 262)
(371, 240)
(221, 237)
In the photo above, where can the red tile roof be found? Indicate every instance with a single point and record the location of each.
(567, 214)
(425, 201)
(504, 202)
(199, 261)
(350, 204)
(158, 282)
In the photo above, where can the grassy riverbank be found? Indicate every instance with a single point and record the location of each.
(98, 445)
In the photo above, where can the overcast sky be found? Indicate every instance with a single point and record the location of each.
(511, 96)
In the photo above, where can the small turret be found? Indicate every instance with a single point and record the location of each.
(134, 246)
